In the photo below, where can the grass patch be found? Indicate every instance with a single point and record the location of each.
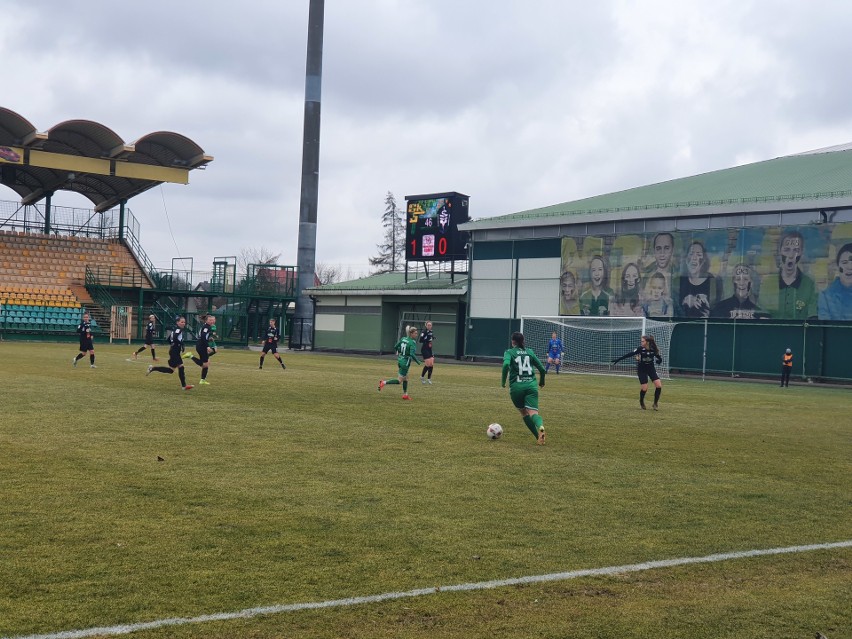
(307, 485)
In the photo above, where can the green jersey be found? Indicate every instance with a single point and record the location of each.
(406, 350)
(520, 364)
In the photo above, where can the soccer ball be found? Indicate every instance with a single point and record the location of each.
(494, 431)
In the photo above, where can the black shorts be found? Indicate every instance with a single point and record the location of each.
(647, 373)
(270, 346)
(427, 353)
(203, 355)
(86, 344)
(149, 341)
(175, 359)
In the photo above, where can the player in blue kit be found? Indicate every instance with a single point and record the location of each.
(554, 353)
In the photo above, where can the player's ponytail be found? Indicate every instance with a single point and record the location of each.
(518, 339)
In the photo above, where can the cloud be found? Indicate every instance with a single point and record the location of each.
(517, 104)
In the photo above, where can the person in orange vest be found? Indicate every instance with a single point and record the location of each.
(786, 367)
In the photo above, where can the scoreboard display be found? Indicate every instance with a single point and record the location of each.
(431, 228)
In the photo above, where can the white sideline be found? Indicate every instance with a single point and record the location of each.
(481, 585)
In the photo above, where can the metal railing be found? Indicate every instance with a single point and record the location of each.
(76, 222)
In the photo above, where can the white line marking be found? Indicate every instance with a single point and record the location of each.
(388, 596)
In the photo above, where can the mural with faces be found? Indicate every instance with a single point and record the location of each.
(779, 272)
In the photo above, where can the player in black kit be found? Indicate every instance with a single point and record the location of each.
(203, 348)
(426, 338)
(150, 329)
(175, 359)
(645, 356)
(84, 328)
(270, 343)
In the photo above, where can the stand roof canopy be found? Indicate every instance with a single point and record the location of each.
(89, 158)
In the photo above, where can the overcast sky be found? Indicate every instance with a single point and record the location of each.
(517, 103)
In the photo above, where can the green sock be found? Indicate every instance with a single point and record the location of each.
(530, 422)
(405, 386)
(391, 381)
(538, 422)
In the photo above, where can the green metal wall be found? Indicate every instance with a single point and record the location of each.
(362, 332)
(488, 337)
(378, 330)
(821, 351)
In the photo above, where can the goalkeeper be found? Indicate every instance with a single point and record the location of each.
(518, 363)
(555, 351)
(645, 356)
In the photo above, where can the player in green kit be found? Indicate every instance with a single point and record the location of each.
(406, 349)
(518, 364)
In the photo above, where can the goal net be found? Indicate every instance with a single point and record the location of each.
(591, 343)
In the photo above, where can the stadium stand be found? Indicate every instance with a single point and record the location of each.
(42, 278)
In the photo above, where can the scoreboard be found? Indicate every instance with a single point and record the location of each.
(431, 227)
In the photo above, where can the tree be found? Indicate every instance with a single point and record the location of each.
(392, 249)
(333, 273)
(255, 255)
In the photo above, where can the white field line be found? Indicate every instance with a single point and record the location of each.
(388, 596)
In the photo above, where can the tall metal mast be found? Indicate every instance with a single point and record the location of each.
(307, 248)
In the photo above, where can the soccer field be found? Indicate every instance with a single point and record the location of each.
(265, 504)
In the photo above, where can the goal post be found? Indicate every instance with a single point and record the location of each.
(591, 343)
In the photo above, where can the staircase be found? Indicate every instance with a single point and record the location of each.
(96, 311)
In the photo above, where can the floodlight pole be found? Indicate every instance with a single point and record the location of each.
(302, 330)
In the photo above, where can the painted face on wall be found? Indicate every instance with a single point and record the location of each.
(742, 280)
(663, 250)
(844, 268)
(791, 252)
(695, 259)
(596, 272)
(569, 287)
(656, 287)
(630, 277)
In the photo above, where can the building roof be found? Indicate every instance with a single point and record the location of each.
(793, 181)
(89, 158)
(395, 284)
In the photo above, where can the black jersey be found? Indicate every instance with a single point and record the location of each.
(426, 338)
(85, 330)
(176, 341)
(644, 357)
(272, 335)
(149, 332)
(204, 337)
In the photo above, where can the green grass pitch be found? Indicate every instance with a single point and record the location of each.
(307, 485)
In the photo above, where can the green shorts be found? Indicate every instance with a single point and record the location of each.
(524, 395)
(403, 363)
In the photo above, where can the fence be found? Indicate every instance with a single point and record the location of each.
(121, 323)
(66, 220)
(754, 348)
